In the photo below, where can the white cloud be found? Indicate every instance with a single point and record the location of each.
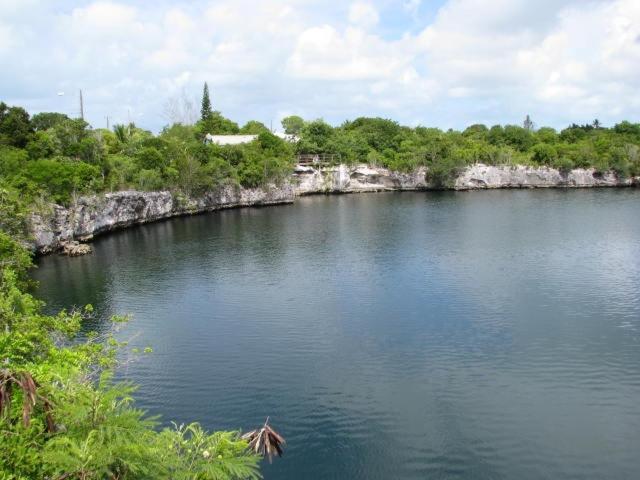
(559, 58)
(323, 53)
(478, 60)
(363, 15)
(412, 6)
(6, 37)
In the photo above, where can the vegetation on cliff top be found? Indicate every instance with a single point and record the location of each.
(52, 155)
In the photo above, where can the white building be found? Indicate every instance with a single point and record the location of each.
(229, 139)
(241, 139)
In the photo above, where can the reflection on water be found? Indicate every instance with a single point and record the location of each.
(416, 335)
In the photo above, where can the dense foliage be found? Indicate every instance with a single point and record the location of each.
(61, 414)
(386, 143)
(57, 157)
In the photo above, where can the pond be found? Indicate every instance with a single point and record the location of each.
(469, 335)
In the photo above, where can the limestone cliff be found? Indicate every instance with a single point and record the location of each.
(95, 214)
(361, 178)
(520, 176)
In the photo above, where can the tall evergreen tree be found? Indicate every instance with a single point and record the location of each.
(205, 111)
(528, 124)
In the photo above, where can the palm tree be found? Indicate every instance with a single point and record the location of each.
(122, 133)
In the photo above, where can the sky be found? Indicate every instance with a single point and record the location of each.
(442, 63)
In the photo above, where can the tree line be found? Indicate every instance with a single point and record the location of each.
(52, 155)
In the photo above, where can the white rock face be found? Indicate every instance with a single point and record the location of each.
(487, 176)
(362, 178)
(92, 215)
(96, 214)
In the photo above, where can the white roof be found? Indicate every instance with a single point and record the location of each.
(230, 139)
(240, 139)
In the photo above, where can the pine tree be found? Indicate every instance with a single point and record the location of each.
(528, 124)
(206, 112)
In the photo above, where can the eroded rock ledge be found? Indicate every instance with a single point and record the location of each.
(95, 214)
(520, 176)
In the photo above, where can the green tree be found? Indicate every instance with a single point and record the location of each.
(12, 161)
(253, 127)
(150, 158)
(61, 177)
(627, 128)
(15, 127)
(206, 110)
(315, 136)
(379, 133)
(518, 137)
(496, 135)
(216, 124)
(528, 124)
(544, 154)
(43, 145)
(122, 133)
(292, 124)
(477, 131)
(46, 120)
(547, 135)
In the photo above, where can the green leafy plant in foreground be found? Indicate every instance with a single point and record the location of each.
(62, 416)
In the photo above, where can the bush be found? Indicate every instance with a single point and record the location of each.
(564, 164)
(442, 174)
(149, 180)
(544, 154)
(67, 417)
(12, 161)
(62, 177)
(150, 158)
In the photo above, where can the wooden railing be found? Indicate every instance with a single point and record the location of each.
(318, 159)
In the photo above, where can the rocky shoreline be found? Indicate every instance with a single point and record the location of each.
(92, 215)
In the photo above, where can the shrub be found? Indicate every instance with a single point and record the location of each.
(544, 154)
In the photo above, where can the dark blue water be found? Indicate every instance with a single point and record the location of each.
(486, 335)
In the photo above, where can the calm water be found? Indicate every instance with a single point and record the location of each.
(486, 335)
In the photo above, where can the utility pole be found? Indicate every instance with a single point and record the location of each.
(81, 106)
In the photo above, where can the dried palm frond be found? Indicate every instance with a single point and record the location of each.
(265, 441)
(25, 382)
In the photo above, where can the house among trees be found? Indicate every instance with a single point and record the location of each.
(222, 131)
(240, 139)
